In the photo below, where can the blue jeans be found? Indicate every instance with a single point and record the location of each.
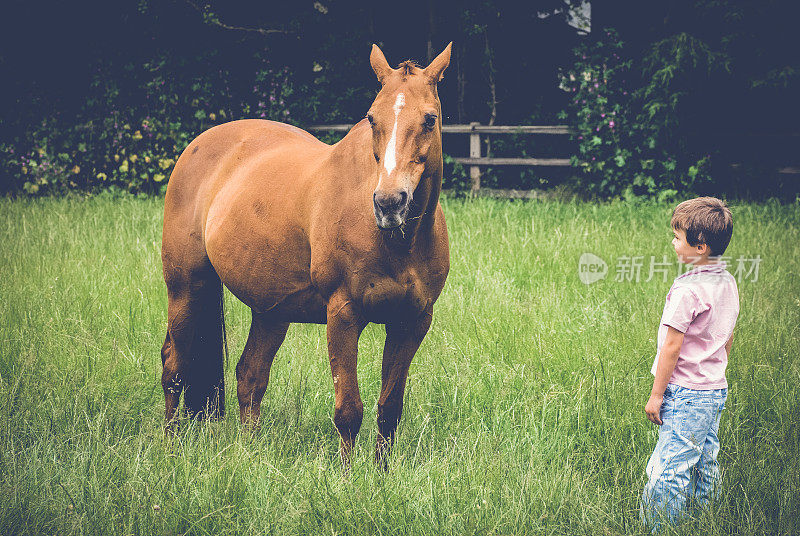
(684, 463)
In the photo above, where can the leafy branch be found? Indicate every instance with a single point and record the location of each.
(209, 17)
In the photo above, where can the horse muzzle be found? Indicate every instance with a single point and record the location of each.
(391, 208)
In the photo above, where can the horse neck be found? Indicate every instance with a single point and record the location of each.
(357, 145)
(426, 198)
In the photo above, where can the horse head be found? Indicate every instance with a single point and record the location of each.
(406, 133)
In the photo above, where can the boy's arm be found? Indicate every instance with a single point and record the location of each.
(666, 364)
(729, 345)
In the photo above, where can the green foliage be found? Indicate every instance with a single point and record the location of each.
(133, 127)
(115, 109)
(628, 116)
(455, 177)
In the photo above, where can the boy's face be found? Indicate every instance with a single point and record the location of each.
(687, 253)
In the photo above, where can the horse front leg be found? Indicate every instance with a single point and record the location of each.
(344, 329)
(402, 342)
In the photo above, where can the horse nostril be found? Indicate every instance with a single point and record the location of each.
(393, 201)
(390, 202)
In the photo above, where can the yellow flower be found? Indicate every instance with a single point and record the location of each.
(165, 163)
(116, 158)
(124, 167)
(158, 177)
(102, 176)
(147, 159)
(212, 116)
(137, 135)
(134, 158)
(76, 169)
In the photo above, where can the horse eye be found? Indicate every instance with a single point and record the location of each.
(422, 158)
(371, 120)
(430, 121)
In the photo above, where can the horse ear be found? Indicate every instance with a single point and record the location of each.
(438, 65)
(379, 63)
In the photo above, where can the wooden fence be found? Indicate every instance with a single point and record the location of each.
(475, 161)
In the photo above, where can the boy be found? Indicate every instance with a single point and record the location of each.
(694, 340)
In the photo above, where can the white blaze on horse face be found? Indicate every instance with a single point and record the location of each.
(389, 160)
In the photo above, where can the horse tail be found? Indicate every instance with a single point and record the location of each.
(204, 353)
(222, 324)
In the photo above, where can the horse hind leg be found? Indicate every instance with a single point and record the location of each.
(170, 381)
(252, 371)
(193, 351)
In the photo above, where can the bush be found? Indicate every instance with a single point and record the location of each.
(627, 117)
(134, 124)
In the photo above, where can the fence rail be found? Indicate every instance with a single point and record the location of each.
(469, 129)
(475, 161)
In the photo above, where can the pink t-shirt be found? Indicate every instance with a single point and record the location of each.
(703, 304)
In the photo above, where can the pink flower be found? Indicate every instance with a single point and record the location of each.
(602, 115)
(611, 124)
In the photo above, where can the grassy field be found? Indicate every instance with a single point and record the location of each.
(523, 414)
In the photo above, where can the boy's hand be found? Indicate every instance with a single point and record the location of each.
(653, 408)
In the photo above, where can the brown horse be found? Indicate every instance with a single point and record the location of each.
(302, 231)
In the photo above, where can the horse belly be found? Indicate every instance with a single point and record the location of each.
(304, 306)
(263, 258)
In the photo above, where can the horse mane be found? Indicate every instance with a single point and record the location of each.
(409, 67)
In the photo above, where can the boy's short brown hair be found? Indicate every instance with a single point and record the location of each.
(705, 220)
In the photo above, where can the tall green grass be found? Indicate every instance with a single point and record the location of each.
(524, 408)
